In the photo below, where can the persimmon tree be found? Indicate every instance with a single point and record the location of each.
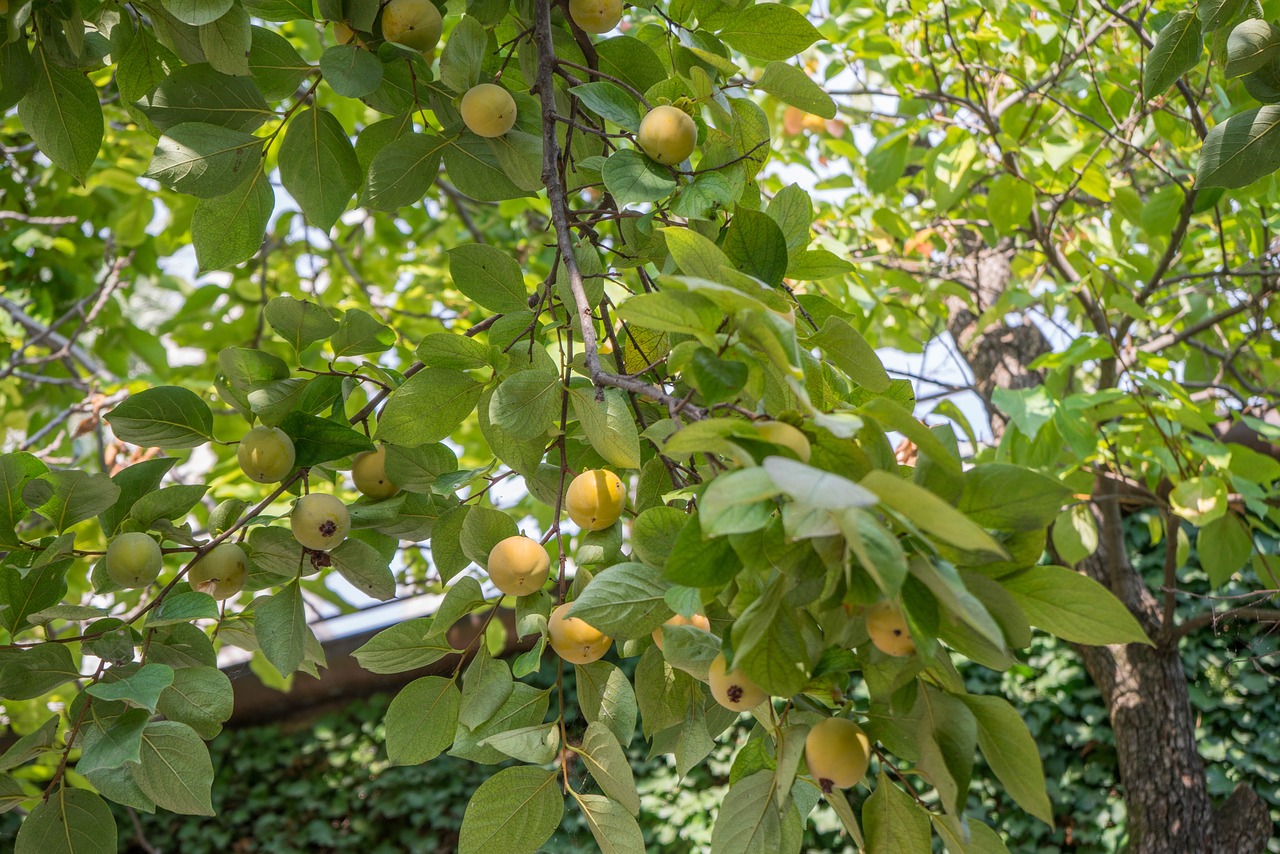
(546, 319)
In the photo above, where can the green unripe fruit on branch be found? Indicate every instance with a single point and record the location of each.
(415, 24)
(837, 752)
(266, 454)
(575, 640)
(134, 560)
(519, 566)
(595, 499)
(488, 110)
(319, 521)
(668, 135)
(221, 572)
(888, 630)
(596, 16)
(732, 689)
(369, 472)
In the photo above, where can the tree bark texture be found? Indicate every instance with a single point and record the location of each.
(1143, 687)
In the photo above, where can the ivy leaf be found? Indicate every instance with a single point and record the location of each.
(421, 720)
(318, 165)
(514, 811)
(72, 821)
(61, 112)
(163, 417)
(1073, 606)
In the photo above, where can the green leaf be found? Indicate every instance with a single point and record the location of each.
(226, 42)
(609, 766)
(27, 588)
(1224, 546)
(276, 67)
(68, 497)
(16, 72)
(769, 31)
(697, 561)
(1241, 150)
(176, 771)
(421, 720)
(402, 171)
(299, 322)
(526, 403)
(893, 821)
(404, 646)
(792, 85)
(668, 311)
(204, 160)
(488, 276)
(318, 166)
(947, 734)
(164, 417)
(281, 628)
(197, 93)
(462, 59)
(61, 112)
(1075, 534)
(350, 70)
(229, 229)
(748, 821)
(756, 246)
(486, 685)
(610, 102)
(1218, 13)
(609, 425)
(16, 470)
(365, 568)
(514, 811)
(476, 170)
(1010, 498)
(1200, 500)
(72, 821)
(359, 334)
(631, 178)
(1011, 752)
(483, 529)
(815, 487)
(319, 440)
(171, 503)
(183, 608)
(768, 644)
(930, 513)
(1073, 606)
(616, 831)
(851, 353)
(200, 697)
(737, 502)
(142, 687)
(605, 696)
(114, 743)
(197, 12)
(30, 746)
(1253, 44)
(624, 601)
(36, 671)
(1177, 51)
(428, 407)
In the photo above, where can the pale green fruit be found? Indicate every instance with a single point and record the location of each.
(221, 572)
(488, 110)
(369, 473)
(668, 135)
(266, 454)
(320, 521)
(596, 16)
(134, 560)
(415, 24)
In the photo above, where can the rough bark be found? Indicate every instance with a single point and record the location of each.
(1143, 687)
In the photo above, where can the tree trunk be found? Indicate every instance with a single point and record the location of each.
(1144, 688)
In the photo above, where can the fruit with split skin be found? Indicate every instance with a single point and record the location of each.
(221, 572)
(488, 110)
(574, 639)
(320, 521)
(697, 621)
(266, 454)
(595, 499)
(519, 566)
(668, 135)
(837, 752)
(888, 630)
(416, 24)
(732, 689)
(369, 473)
(596, 16)
(134, 560)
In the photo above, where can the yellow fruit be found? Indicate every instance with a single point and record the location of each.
(134, 560)
(888, 630)
(667, 135)
(221, 572)
(519, 566)
(266, 454)
(697, 621)
(575, 640)
(596, 16)
(369, 472)
(319, 521)
(415, 24)
(782, 433)
(733, 689)
(595, 499)
(837, 752)
(488, 110)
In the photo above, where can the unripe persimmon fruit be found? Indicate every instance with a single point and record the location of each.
(134, 560)
(888, 629)
(488, 110)
(519, 566)
(595, 499)
(667, 134)
(782, 433)
(320, 521)
(837, 752)
(221, 572)
(369, 472)
(732, 689)
(697, 621)
(575, 640)
(596, 16)
(416, 24)
(266, 454)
